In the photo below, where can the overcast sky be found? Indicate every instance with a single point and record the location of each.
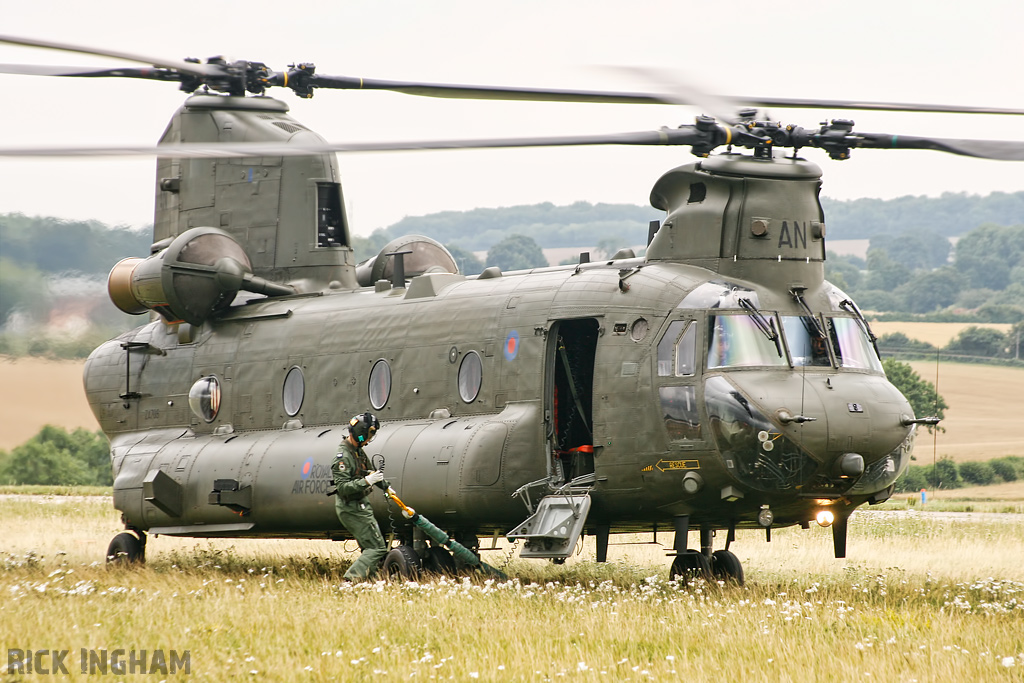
(906, 51)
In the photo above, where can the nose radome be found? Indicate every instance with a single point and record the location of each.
(889, 410)
(833, 415)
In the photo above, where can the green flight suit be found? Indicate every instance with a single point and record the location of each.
(351, 503)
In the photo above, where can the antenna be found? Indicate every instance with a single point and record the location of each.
(935, 429)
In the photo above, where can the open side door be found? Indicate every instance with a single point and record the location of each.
(569, 396)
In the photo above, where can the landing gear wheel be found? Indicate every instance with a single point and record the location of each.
(439, 561)
(689, 566)
(725, 566)
(128, 547)
(401, 563)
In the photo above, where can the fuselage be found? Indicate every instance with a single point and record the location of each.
(715, 378)
(483, 385)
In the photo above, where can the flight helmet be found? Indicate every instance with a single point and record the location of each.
(364, 427)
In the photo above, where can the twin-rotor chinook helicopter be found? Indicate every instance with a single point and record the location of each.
(716, 383)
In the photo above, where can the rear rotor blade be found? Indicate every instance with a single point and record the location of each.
(678, 90)
(702, 138)
(89, 72)
(184, 67)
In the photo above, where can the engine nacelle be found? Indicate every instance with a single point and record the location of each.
(197, 275)
(422, 255)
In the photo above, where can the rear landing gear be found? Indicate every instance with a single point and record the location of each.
(128, 547)
(401, 562)
(439, 561)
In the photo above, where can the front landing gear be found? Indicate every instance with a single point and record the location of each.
(689, 565)
(725, 566)
(128, 547)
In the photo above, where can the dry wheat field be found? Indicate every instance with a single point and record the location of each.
(921, 597)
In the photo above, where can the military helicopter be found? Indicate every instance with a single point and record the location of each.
(717, 383)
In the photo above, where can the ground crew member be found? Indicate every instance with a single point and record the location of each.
(355, 478)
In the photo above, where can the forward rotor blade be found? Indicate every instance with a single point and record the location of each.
(875, 106)
(665, 136)
(184, 67)
(677, 88)
(1000, 150)
(485, 92)
(721, 107)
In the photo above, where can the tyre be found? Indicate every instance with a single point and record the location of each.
(128, 547)
(401, 563)
(725, 566)
(439, 561)
(690, 566)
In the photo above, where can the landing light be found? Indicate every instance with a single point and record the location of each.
(825, 517)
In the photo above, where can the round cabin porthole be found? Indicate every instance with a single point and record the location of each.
(294, 391)
(639, 329)
(471, 373)
(380, 384)
(204, 398)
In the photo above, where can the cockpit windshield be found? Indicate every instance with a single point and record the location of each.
(807, 345)
(736, 341)
(851, 344)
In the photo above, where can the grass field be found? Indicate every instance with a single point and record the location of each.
(921, 598)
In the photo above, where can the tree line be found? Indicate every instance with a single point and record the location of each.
(53, 274)
(922, 274)
(55, 456)
(946, 473)
(972, 344)
(949, 215)
(52, 269)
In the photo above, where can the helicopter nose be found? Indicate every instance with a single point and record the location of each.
(866, 415)
(778, 432)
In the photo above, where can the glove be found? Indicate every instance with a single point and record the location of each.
(373, 477)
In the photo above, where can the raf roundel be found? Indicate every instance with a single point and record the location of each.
(307, 468)
(511, 345)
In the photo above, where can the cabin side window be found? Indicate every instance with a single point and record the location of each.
(294, 391)
(471, 373)
(380, 384)
(204, 398)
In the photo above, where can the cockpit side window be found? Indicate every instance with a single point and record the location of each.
(736, 341)
(666, 346)
(807, 346)
(851, 345)
(686, 352)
